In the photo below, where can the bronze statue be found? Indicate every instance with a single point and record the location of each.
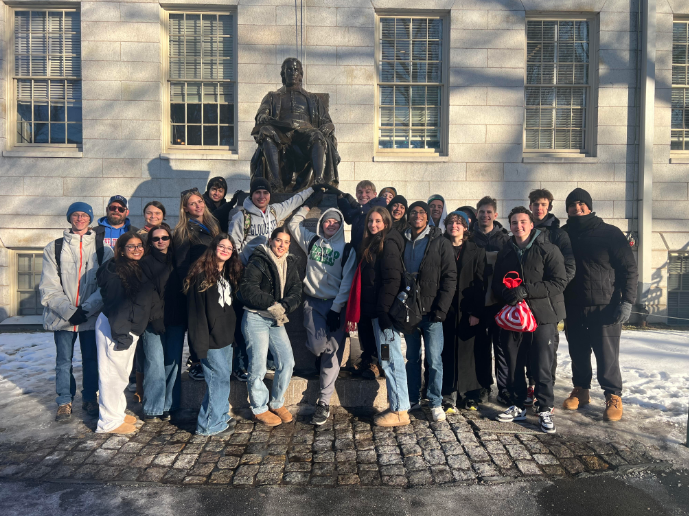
(295, 136)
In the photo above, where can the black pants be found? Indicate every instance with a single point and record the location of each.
(367, 340)
(589, 329)
(535, 348)
(486, 343)
(556, 346)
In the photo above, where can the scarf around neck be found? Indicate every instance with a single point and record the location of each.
(281, 265)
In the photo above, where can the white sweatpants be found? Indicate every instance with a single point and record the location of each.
(113, 377)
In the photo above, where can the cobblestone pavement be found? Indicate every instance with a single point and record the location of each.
(347, 450)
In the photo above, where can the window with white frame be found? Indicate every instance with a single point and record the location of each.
(201, 80)
(47, 76)
(680, 86)
(27, 266)
(678, 288)
(558, 92)
(411, 83)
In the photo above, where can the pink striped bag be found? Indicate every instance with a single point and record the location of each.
(519, 317)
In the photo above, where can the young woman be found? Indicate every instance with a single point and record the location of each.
(128, 298)
(461, 324)
(154, 215)
(398, 210)
(270, 290)
(163, 339)
(193, 234)
(211, 288)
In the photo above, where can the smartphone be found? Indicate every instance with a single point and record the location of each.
(385, 352)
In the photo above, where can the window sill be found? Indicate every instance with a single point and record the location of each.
(43, 153)
(680, 160)
(560, 159)
(410, 158)
(200, 155)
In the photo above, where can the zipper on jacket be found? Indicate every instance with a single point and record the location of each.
(81, 240)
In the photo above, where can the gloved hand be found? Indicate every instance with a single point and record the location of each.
(623, 312)
(158, 326)
(282, 320)
(333, 321)
(233, 201)
(352, 201)
(320, 187)
(78, 317)
(436, 317)
(512, 296)
(277, 310)
(384, 322)
(315, 199)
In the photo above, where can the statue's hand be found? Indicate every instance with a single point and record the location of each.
(264, 119)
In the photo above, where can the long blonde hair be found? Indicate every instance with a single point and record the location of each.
(182, 231)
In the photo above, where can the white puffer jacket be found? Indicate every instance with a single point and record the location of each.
(78, 264)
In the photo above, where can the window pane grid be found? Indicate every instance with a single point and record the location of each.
(557, 78)
(680, 87)
(410, 83)
(201, 77)
(28, 278)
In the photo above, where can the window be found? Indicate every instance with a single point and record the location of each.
(680, 86)
(28, 268)
(201, 80)
(558, 95)
(47, 77)
(678, 288)
(411, 83)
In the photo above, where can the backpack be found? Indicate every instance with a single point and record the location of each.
(405, 312)
(247, 219)
(345, 253)
(100, 252)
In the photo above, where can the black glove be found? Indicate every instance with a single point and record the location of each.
(158, 326)
(315, 199)
(512, 296)
(320, 187)
(384, 322)
(623, 312)
(333, 321)
(78, 317)
(233, 202)
(437, 317)
(352, 201)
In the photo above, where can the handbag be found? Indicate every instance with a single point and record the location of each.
(519, 317)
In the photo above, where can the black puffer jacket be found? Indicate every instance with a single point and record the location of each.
(125, 315)
(211, 326)
(494, 240)
(437, 275)
(550, 225)
(260, 286)
(542, 270)
(606, 269)
(188, 251)
(172, 305)
(381, 279)
(471, 290)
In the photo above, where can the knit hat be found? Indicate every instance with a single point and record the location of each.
(423, 205)
(217, 182)
(398, 199)
(436, 197)
(391, 189)
(581, 195)
(79, 206)
(118, 198)
(333, 214)
(462, 215)
(259, 183)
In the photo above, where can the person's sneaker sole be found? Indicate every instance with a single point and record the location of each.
(547, 430)
(152, 419)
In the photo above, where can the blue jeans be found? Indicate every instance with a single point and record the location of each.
(433, 343)
(395, 374)
(162, 369)
(65, 385)
(263, 334)
(215, 407)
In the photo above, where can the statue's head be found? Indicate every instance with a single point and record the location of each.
(291, 72)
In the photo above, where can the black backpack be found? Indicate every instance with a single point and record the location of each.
(100, 252)
(345, 252)
(405, 312)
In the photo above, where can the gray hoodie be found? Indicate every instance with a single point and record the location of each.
(326, 276)
(414, 250)
(262, 224)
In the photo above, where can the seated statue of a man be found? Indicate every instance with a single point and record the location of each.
(295, 136)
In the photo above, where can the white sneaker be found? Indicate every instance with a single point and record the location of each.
(513, 413)
(438, 414)
(547, 424)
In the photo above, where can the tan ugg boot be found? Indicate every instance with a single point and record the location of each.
(577, 398)
(390, 418)
(613, 408)
(129, 419)
(283, 414)
(124, 428)
(268, 418)
(139, 394)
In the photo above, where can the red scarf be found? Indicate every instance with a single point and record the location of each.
(353, 313)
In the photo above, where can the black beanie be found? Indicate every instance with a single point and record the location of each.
(398, 199)
(424, 205)
(581, 195)
(259, 183)
(217, 182)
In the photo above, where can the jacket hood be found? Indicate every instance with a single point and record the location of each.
(103, 221)
(340, 232)
(431, 231)
(69, 236)
(106, 270)
(534, 236)
(497, 227)
(550, 221)
(441, 223)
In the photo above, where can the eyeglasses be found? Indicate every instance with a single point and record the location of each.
(79, 217)
(229, 249)
(121, 209)
(158, 239)
(417, 213)
(191, 190)
(133, 247)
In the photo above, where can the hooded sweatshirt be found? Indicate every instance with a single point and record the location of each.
(111, 233)
(262, 223)
(326, 276)
(492, 241)
(441, 223)
(415, 249)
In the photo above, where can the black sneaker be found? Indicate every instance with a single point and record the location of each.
(231, 426)
(166, 416)
(64, 413)
(484, 394)
(471, 404)
(90, 407)
(504, 397)
(320, 416)
(241, 375)
(152, 419)
(196, 372)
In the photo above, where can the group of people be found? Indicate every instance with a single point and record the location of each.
(225, 278)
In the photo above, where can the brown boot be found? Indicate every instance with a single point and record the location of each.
(139, 394)
(577, 398)
(613, 408)
(124, 428)
(283, 414)
(268, 418)
(129, 419)
(64, 412)
(371, 372)
(390, 418)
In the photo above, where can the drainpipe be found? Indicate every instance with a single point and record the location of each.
(646, 130)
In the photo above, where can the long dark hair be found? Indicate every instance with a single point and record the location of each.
(373, 244)
(207, 264)
(149, 242)
(128, 270)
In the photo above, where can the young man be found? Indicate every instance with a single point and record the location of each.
(489, 234)
(252, 225)
(72, 302)
(116, 222)
(355, 210)
(599, 301)
(438, 211)
(330, 267)
(541, 268)
(431, 258)
(214, 197)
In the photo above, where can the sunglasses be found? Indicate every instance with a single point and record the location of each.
(191, 190)
(121, 209)
(158, 239)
